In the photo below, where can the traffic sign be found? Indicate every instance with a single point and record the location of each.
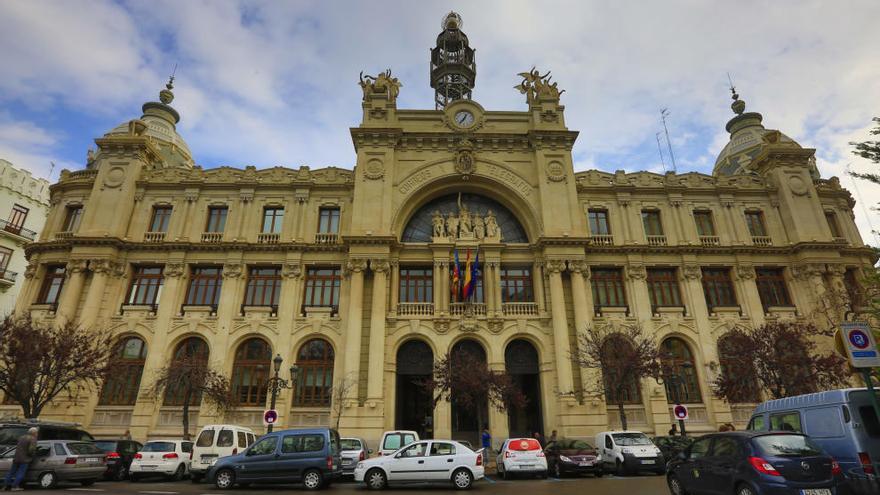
(270, 417)
(860, 345)
(680, 412)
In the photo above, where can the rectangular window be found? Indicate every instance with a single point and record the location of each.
(516, 285)
(599, 222)
(416, 285)
(608, 288)
(216, 219)
(161, 218)
(718, 287)
(272, 217)
(651, 220)
(5, 256)
(328, 221)
(204, 286)
(772, 287)
(146, 285)
(52, 283)
(263, 286)
(755, 222)
(831, 218)
(705, 226)
(17, 216)
(72, 218)
(663, 287)
(788, 421)
(322, 287)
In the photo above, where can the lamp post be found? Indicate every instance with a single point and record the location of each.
(674, 380)
(277, 384)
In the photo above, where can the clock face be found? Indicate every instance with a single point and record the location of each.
(463, 118)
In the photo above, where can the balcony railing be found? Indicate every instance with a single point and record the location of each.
(656, 240)
(154, 236)
(519, 309)
(602, 240)
(8, 275)
(415, 309)
(212, 237)
(18, 230)
(761, 240)
(476, 309)
(605, 310)
(268, 238)
(64, 234)
(710, 240)
(326, 238)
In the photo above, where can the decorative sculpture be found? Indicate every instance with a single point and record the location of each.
(535, 86)
(479, 227)
(381, 84)
(491, 225)
(439, 225)
(452, 225)
(464, 221)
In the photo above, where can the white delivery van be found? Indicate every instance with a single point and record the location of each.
(214, 442)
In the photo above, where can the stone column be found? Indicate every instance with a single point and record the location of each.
(289, 305)
(437, 287)
(395, 286)
(692, 276)
(538, 278)
(748, 293)
(72, 290)
(560, 326)
(101, 269)
(444, 287)
(32, 282)
(190, 197)
(375, 382)
(352, 356)
(640, 303)
(581, 298)
(496, 282)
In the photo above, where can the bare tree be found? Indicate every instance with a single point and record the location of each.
(340, 394)
(623, 356)
(187, 381)
(39, 360)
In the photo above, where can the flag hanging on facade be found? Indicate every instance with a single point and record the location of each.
(475, 272)
(456, 278)
(468, 277)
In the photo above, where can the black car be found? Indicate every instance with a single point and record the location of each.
(10, 431)
(119, 456)
(754, 463)
(566, 456)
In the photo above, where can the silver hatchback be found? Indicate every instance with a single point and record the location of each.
(61, 460)
(353, 450)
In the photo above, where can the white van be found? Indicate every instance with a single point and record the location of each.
(394, 440)
(214, 442)
(629, 452)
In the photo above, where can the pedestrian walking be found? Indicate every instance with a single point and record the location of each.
(486, 440)
(553, 438)
(540, 438)
(24, 454)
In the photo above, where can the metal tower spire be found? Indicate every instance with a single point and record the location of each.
(453, 69)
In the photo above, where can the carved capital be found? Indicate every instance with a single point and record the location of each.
(380, 265)
(555, 266)
(76, 266)
(692, 272)
(355, 265)
(191, 195)
(100, 266)
(117, 270)
(173, 270)
(30, 271)
(805, 271)
(837, 270)
(745, 272)
(727, 203)
(292, 270)
(232, 270)
(579, 267)
(636, 272)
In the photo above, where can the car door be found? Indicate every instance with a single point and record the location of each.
(259, 462)
(692, 472)
(609, 458)
(441, 460)
(719, 467)
(409, 463)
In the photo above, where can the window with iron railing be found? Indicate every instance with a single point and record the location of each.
(5, 257)
(517, 285)
(322, 287)
(663, 287)
(160, 219)
(17, 217)
(679, 372)
(416, 285)
(608, 287)
(146, 286)
(272, 219)
(53, 281)
(204, 286)
(263, 286)
(718, 287)
(772, 287)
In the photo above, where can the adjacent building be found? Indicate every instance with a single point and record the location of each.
(348, 273)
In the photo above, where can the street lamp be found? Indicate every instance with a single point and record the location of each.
(675, 380)
(277, 384)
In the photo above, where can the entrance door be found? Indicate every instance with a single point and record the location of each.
(415, 365)
(521, 361)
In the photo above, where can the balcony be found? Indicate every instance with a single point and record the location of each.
(710, 240)
(762, 240)
(607, 310)
(475, 309)
(326, 238)
(212, 237)
(602, 240)
(63, 235)
(268, 238)
(7, 276)
(415, 309)
(656, 240)
(18, 230)
(154, 236)
(519, 309)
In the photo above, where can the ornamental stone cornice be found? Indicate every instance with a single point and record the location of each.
(836, 270)
(375, 137)
(545, 139)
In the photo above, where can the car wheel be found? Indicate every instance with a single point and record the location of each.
(87, 482)
(744, 490)
(313, 480)
(675, 486)
(462, 479)
(48, 480)
(225, 479)
(120, 474)
(375, 479)
(178, 474)
(557, 471)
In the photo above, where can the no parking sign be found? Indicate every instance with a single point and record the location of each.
(860, 345)
(680, 412)
(270, 417)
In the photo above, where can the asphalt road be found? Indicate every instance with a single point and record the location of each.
(638, 485)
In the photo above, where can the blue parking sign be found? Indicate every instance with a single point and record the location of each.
(860, 345)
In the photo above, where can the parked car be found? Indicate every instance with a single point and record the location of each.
(60, 460)
(392, 441)
(120, 453)
(169, 458)
(753, 463)
(354, 450)
(842, 422)
(214, 442)
(423, 461)
(566, 456)
(629, 452)
(10, 431)
(309, 456)
(671, 446)
(521, 456)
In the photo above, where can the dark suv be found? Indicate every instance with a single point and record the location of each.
(119, 456)
(11, 431)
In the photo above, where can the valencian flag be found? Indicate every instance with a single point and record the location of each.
(470, 276)
(456, 279)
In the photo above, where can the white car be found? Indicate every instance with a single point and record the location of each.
(628, 452)
(170, 458)
(424, 461)
(521, 456)
(214, 442)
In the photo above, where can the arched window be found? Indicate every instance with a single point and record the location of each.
(738, 373)
(679, 372)
(250, 373)
(315, 363)
(121, 386)
(192, 351)
(421, 225)
(616, 350)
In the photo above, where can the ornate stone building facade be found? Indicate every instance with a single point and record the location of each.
(347, 272)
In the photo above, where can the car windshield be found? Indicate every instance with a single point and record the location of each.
(83, 448)
(574, 444)
(106, 445)
(628, 439)
(9, 434)
(787, 446)
(206, 438)
(350, 444)
(158, 447)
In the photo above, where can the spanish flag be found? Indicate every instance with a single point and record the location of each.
(456, 279)
(468, 277)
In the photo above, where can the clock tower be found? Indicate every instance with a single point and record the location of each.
(453, 69)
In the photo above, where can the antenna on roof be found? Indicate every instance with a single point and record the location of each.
(51, 169)
(664, 112)
(660, 149)
(729, 80)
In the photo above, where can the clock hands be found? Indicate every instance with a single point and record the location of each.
(462, 118)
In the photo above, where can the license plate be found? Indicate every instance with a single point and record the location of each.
(585, 464)
(148, 468)
(525, 465)
(649, 461)
(816, 491)
(347, 462)
(92, 459)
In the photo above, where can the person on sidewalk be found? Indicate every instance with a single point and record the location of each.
(24, 454)
(486, 440)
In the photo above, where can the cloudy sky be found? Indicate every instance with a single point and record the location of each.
(275, 83)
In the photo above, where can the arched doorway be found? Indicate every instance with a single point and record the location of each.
(467, 422)
(521, 362)
(415, 365)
